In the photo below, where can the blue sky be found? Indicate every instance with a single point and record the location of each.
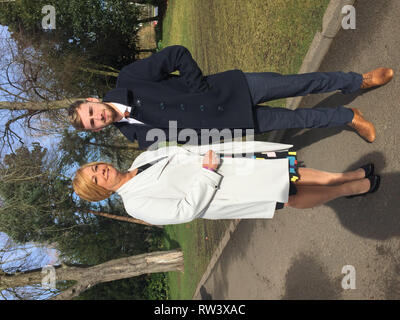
(39, 257)
(47, 141)
(4, 36)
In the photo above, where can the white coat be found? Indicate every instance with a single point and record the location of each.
(176, 189)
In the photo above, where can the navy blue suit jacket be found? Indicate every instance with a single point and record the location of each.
(191, 99)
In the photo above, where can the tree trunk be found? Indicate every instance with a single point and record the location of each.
(121, 218)
(147, 50)
(103, 66)
(86, 277)
(147, 20)
(129, 146)
(100, 72)
(37, 106)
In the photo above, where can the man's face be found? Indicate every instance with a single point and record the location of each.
(96, 115)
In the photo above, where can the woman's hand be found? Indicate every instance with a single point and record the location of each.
(211, 160)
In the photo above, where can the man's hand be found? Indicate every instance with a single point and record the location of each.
(211, 160)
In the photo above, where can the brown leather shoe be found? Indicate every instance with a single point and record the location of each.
(363, 127)
(377, 77)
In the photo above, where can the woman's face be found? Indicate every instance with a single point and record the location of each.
(104, 175)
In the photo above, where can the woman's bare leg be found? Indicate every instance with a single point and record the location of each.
(311, 196)
(313, 177)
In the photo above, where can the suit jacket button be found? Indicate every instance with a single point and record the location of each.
(220, 108)
(162, 105)
(182, 107)
(138, 102)
(202, 108)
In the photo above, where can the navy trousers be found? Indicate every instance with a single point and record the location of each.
(267, 86)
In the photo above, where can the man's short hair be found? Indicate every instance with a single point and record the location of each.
(73, 115)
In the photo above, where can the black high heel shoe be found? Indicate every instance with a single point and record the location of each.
(369, 169)
(374, 181)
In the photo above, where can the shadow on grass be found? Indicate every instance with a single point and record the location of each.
(171, 243)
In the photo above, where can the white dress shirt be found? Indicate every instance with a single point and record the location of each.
(122, 108)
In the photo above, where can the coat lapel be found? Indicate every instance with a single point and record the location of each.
(159, 156)
(154, 172)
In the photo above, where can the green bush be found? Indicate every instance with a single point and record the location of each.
(157, 287)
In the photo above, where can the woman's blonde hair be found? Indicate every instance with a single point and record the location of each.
(85, 188)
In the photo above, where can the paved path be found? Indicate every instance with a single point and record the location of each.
(300, 253)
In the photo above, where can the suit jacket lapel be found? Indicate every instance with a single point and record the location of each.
(131, 131)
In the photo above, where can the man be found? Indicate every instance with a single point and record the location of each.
(148, 96)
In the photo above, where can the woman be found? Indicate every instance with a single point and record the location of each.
(174, 185)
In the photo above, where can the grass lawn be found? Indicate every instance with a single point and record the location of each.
(198, 240)
(251, 35)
